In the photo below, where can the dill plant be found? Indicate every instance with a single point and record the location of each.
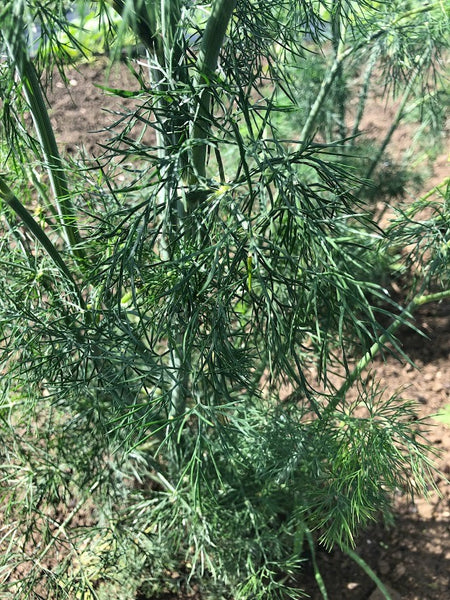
(148, 328)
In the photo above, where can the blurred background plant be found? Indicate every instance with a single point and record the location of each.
(148, 326)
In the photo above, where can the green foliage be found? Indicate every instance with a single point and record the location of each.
(148, 327)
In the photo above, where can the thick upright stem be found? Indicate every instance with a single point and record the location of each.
(139, 18)
(195, 172)
(208, 57)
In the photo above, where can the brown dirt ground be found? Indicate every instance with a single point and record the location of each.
(413, 556)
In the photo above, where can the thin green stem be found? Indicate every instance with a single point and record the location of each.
(206, 66)
(8, 196)
(427, 298)
(339, 59)
(170, 21)
(34, 97)
(438, 188)
(317, 574)
(364, 92)
(338, 38)
(365, 567)
(327, 82)
(415, 11)
(340, 56)
(398, 117)
(417, 301)
(62, 527)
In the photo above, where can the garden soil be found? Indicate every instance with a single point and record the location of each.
(412, 556)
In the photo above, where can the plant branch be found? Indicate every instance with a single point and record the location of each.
(416, 11)
(396, 121)
(208, 57)
(44, 130)
(62, 526)
(317, 575)
(428, 298)
(365, 567)
(363, 93)
(417, 301)
(339, 59)
(136, 15)
(436, 188)
(327, 82)
(7, 195)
